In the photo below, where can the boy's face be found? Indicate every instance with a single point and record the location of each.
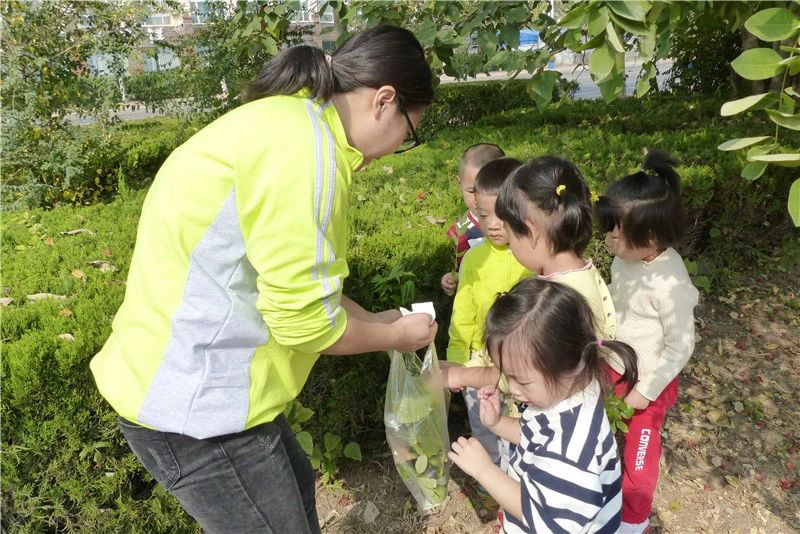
(467, 183)
(492, 227)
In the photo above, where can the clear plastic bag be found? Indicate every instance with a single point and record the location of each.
(415, 416)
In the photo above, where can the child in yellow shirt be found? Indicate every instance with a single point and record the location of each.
(487, 270)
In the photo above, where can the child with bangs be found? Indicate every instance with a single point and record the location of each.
(564, 473)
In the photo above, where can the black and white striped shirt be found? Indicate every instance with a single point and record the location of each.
(568, 467)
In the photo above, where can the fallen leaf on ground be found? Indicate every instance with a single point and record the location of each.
(5, 301)
(77, 273)
(79, 231)
(104, 266)
(370, 512)
(49, 242)
(106, 252)
(65, 337)
(43, 296)
(431, 219)
(66, 312)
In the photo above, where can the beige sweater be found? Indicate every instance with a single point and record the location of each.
(655, 304)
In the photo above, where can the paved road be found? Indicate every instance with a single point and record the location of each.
(586, 88)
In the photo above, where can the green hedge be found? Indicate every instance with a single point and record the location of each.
(65, 466)
(83, 165)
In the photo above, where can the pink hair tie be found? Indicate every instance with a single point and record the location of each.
(599, 342)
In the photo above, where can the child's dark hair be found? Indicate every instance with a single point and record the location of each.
(479, 155)
(646, 205)
(494, 174)
(555, 187)
(378, 56)
(550, 327)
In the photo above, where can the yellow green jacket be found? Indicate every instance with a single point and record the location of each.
(235, 283)
(487, 270)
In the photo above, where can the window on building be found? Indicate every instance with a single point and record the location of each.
(163, 59)
(200, 11)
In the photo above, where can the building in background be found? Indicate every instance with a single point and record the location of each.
(170, 25)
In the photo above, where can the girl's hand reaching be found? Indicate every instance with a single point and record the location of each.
(471, 457)
(490, 405)
(636, 400)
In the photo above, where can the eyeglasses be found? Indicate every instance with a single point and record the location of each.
(413, 140)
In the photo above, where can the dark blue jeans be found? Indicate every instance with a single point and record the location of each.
(258, 480)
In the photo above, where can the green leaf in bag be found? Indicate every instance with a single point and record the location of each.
(421, 464)
(427, 483)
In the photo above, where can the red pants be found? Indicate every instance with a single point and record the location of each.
(643, 452)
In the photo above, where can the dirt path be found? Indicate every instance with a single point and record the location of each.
(732, 442)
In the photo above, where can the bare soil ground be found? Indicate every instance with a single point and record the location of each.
(731, 459)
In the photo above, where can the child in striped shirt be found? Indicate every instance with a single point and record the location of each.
(564, 474)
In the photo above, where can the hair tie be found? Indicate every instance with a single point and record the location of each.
(328, 59)
(599, 342)
(560, 189)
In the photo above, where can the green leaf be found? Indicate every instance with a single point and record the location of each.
(787, 104)
(421, 464)
(760, 150)
(575, 18)
(791, 92)
(306, 442)
(611, 88)
(426, 33)
(448, 37)
(540, 87)
(601, 62)
(784, 119)
(753, 170)
(598, 20)
(794, 202)
(516, 15)
(427, 483)
(332, 441)
(590, 44)
(303, 414)
(488, 42)
(643, 85)
(737, 106)
(622, 426)
(613, 38)
(742, 142)
(784, 160)
(630, 10)
(647, 44)
(352, 451)
(498, 59)
(630, 26)
(315, 459)
(774, 24)
(757, 64)
(793, 63)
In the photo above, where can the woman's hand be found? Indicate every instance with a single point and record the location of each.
(490, 406)
(470, 456)
(636, 400)
(414, 331)
(449, 284)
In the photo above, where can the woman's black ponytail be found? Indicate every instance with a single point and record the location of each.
(378, 56)
(291, 70)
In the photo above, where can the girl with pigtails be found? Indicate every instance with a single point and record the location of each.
(642, 218)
